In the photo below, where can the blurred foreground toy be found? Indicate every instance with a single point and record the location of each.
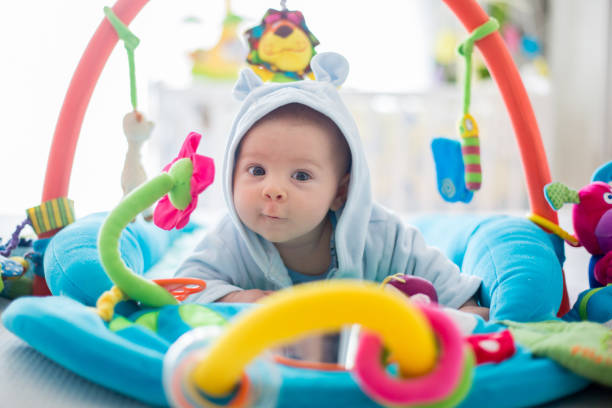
(281, 47)
(415, 287)
(437, 368)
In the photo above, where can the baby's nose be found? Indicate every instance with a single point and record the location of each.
(274, 193)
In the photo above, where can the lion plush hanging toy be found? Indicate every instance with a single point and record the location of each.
(281, 47)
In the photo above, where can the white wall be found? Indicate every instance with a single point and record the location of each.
(580, 55)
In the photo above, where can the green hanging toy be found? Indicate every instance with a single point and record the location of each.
(136, 127)
(468, 128)
(458, 170)
(131, 42)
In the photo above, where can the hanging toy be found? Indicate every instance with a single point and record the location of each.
(137, 131)
(136, 128)
(458, 169)
(468, 128)
(282, 46)
(224, 60)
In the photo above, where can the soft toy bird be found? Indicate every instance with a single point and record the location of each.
(592, 221)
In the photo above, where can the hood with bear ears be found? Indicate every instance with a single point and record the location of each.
(259, 99)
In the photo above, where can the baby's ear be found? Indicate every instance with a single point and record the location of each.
(247, 81)
(341, 193)
(330, 67)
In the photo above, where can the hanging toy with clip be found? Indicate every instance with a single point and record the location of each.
(458, 169)
(136, 127)
(281, 47)
(468, 128)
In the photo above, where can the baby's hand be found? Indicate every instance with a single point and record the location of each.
(472, 307)
(245, 296)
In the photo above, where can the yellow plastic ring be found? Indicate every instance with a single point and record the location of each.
(319, 306)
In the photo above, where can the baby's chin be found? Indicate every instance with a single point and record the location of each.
(283, 238)
(275, 237)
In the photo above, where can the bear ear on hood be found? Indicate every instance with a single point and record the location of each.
(247, 81)
(330, 67)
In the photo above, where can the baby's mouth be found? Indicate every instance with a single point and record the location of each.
(272, 217)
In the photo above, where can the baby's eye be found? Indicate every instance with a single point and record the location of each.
(256, 170)
(301, 176)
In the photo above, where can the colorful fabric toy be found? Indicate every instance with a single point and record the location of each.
(281, 47)
(583, 347)
(13, 267)
(468, 128)
(592, 221)
(51, 215)
(492, 347)
(458, 167)
(450, 170)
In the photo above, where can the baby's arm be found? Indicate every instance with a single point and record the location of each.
(245, 296)
(471, 306)
(409, 254)
(217, 261)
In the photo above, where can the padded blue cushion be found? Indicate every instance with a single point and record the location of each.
(72, 266)
(130, 361)
(516, 260)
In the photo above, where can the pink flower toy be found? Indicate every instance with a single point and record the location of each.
(174, 209)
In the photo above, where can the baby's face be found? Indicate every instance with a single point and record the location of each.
(286, 178)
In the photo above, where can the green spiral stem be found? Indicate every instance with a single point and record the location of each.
(134, 286)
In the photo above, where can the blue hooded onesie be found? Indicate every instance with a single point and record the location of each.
(371, 242)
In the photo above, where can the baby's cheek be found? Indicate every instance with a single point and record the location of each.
(245, 201)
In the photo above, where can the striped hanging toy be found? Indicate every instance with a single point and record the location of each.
(468, 128)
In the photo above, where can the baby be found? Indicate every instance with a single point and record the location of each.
(297, 187)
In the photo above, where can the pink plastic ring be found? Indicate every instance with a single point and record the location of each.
(433, 387)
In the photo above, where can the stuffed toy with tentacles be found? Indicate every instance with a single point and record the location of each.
(281, 47)
(592, 220)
